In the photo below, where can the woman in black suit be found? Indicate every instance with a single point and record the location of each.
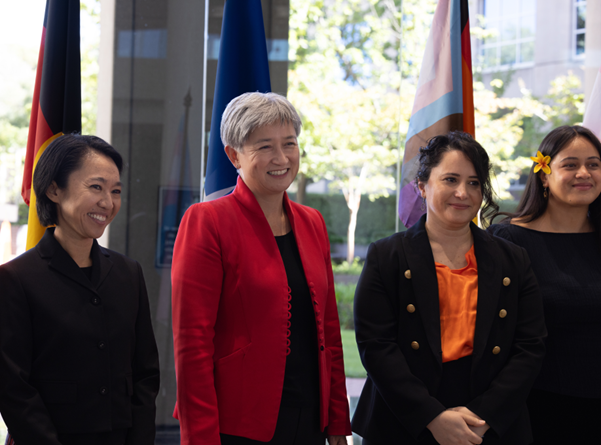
(78, 358)
(448, 318)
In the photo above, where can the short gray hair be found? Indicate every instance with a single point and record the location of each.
(249, 111)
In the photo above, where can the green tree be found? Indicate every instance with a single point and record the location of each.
(344, 79)
(351, 138)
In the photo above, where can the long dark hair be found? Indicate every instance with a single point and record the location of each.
(431, 155)
(533, 204)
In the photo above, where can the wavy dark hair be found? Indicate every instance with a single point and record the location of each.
(533, 204)
(431, 155)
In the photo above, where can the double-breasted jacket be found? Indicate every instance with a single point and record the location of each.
(397, 322)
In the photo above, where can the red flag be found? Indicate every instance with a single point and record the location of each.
(56, 107)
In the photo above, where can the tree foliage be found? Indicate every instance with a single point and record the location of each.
(344, 80)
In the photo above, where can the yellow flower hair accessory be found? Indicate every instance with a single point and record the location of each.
(542, 162)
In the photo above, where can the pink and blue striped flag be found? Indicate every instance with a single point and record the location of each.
(444, 100)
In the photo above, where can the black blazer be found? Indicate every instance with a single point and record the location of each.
(76, 355)
(398, 400)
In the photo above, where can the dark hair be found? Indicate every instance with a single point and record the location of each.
(431, 155)
(62, 157)
(533, 204)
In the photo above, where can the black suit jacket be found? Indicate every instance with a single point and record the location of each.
(398, 402)
(76, 355)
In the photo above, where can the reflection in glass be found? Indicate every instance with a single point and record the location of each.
(492, 27)
(490, 57)
(579, 44)
(509, 29)
(527, 26)
(508, 54)
(492, 8)
(527, 52)
(581, 17)
(528, 6)
(510, 7)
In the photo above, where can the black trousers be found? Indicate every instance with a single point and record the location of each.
(295, 426)
(454, 391)
(112, 438)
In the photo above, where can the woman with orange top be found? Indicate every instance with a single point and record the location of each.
(449, 319)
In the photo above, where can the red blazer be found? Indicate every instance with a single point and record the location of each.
(230, 309)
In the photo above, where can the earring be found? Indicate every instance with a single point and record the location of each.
(545, 194)
(423, 206)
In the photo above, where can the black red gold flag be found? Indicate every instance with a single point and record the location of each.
(56, 107)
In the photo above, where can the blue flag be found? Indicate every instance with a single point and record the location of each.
(242, 68)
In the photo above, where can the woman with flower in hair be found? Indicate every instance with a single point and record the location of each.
(558, 222)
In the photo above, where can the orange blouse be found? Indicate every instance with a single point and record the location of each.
(458, 301)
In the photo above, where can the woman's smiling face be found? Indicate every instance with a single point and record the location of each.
(91, 199)
(453, 192)
(269, 159)
(575, 177)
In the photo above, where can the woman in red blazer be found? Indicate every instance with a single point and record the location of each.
(258, 353)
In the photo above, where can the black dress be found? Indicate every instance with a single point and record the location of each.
(565, 403)
(298, 418)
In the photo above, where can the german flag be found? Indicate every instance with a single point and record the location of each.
(56, 107)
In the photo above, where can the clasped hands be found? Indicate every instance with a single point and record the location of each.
(458, 426)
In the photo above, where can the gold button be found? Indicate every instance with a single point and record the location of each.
(415, 345)
(502, 313)
(408, 274)
(506, 281)
(496, 350)
(410, 308)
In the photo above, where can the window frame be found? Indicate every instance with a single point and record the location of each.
(576, 32)
(517, 42)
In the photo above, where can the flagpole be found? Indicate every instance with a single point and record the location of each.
(398, 162)
(204, 102)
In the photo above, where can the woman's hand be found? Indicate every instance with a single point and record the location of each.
(337, 440)
(479, 430)
(452, 427)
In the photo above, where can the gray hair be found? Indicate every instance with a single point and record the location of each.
(249, 111)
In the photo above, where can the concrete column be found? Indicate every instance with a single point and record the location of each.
(592, 45)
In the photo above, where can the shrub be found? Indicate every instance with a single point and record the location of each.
(345, 296)
(345, 268)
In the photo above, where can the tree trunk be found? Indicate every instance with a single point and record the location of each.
(352, 226)
(352, 194)
(301, 193)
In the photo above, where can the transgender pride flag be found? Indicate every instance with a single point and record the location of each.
(444, 100)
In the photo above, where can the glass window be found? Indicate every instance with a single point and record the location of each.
(156, 123)
(527, 52)
(579, 27)
(512, 26)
